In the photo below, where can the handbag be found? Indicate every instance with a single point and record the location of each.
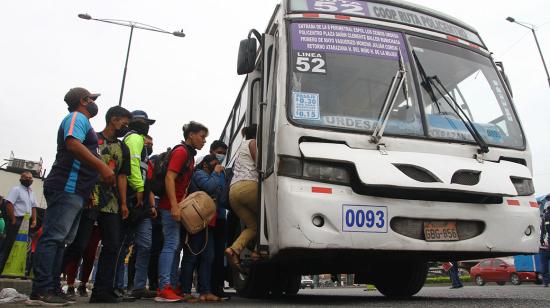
(196, 212)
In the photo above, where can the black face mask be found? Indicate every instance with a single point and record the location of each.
(92, 109)
(119, 133)
(149, 150)
(139, 127)
(26, 183)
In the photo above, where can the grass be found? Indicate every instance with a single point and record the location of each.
(446, 279)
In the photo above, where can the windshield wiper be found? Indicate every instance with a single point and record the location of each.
(431, 82)
(398, 81)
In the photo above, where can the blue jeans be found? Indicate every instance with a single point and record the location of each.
(59, 229)
(453, 274)
(204, 260)
(141, 236)
(168, 256)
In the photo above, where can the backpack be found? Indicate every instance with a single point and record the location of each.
(546, 220)
(160, 168)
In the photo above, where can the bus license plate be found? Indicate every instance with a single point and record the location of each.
(440, 231)
(363, 218)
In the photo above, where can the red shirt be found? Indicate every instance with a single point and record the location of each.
(177, 160)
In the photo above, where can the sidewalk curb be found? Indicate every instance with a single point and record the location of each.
(23, 286)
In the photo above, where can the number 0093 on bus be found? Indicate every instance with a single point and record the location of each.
(440, 231)
(364, 218)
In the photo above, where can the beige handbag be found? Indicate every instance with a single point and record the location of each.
(196, 211)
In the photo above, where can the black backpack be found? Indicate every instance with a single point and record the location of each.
(546, 220)
(160, 168)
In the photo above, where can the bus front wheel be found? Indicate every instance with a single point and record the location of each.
(402, 279)
(254, 283)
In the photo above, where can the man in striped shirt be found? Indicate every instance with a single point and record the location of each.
(67, 187)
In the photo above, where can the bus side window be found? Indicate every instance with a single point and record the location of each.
(255, 92)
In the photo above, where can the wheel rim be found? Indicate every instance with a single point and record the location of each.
(514, 278)
(479, 280)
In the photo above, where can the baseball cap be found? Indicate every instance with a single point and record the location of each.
(73, 97)
(140, 114)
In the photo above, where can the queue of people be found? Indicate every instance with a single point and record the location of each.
(99, 196)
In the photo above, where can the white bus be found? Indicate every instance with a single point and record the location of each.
(387, 138)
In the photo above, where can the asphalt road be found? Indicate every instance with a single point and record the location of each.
(527, 295)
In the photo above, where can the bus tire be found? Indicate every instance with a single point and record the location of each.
(403, 279)
(284, 283)
(254, 284)
(293, 283)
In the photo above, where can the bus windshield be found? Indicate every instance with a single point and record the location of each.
(472, 82)
(342, 74)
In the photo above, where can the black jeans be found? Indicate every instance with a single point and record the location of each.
(218, 267)
(110, 229)
(11, 234)
(156, 248)
(544, 259)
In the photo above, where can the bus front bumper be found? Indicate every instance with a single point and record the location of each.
(302, 204)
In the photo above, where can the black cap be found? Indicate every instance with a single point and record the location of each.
(140, 114)
(73, 97)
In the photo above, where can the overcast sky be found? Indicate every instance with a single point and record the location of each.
(46, 49)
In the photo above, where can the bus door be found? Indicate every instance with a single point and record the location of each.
(267, 215)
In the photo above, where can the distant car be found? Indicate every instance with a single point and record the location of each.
(499, 271)
(306, 282)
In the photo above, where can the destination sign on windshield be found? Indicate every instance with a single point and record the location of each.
(385, 12)
(348, 39)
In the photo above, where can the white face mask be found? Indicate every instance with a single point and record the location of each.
(220, 157)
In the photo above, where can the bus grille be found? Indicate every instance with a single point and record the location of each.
(466, 177)
(414, 227)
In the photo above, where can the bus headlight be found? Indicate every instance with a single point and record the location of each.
(523, 186)
(320, 171)
(324, 172)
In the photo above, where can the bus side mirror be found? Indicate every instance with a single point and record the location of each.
(246, 62)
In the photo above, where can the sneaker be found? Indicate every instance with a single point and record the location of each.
(50, 300)
(178, 290)
(143, 293)
(167, 294)
(70, 291)
(219, 292)
(118, 292)
(82, 291)
(71, 299)
(105, 298)
(222, 295)
(124, 296)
